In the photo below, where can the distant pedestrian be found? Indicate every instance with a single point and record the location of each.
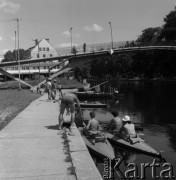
(48, 88)
(53, 90)
(84, 47)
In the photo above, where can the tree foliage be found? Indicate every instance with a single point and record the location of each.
(13, 55)
(148, 36)
(169, 28)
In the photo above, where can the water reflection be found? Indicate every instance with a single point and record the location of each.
(139, 165)
(152, 105)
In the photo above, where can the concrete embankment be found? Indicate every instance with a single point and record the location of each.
(31, 149)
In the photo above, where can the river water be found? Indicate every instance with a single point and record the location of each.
(151, 105)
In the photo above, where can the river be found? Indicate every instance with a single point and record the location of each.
(151, 105)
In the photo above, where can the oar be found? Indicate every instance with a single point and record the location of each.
(97, 85)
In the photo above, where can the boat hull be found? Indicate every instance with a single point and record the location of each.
(84, 95)
(140, 147)
(100, 149)
(92, 105)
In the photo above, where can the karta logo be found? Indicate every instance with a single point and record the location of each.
(111, 167)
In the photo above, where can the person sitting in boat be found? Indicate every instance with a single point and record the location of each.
(128, 129)
(115, 123)
(93, 124)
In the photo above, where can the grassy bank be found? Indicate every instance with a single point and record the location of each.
(66, 83)
(12, 103)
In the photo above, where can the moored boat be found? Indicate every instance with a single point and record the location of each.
(139, 146)
(92, 105)
(93, 95)
(99, 146)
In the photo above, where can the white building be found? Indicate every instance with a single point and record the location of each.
(43, 49)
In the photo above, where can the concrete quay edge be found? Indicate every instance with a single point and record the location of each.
(30, 148)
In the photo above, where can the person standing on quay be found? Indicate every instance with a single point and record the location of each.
(48, 88)
(68, 100)
(53, 89)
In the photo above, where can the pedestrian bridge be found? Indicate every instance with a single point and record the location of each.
(70, 61)
(90, 54)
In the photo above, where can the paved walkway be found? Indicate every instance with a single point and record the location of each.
(30, 148)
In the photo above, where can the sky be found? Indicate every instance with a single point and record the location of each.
(89, 20)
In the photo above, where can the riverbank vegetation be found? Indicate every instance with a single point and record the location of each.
(150, 64)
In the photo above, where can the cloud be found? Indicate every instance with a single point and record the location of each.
(13, 38)
(76, 35)
(63, 45)
(67, 34)
(9, 7)
(4, 51)
(1, 39)
(94, 27)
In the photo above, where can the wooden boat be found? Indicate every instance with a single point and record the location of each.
(99, 146)
(92, 105)
(139, 146)
(93, 95)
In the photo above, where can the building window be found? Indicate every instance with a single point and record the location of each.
(23, 68)
(44, 55)
(51, 55)
(37, 55)
(40, 49)
(44, 49)
(47, 48)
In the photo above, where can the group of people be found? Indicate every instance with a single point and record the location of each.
(123, 127)
(51, 88)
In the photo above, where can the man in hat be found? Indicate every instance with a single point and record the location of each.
(128, 129)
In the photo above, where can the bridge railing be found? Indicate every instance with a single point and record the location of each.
(91, 48)
(106, 46)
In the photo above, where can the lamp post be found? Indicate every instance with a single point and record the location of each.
(15, 48)
(38, 56)
(19, 74)
(111, 34)
(71, 37)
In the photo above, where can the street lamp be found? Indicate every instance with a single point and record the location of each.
(15, 48)
(111, 34)
(18, 54)
(71, 37)
(38, 56)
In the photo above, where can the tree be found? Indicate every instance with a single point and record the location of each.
(74, 50)
(12, 56)
(169, 28)
(148, 36)
(82, 71)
